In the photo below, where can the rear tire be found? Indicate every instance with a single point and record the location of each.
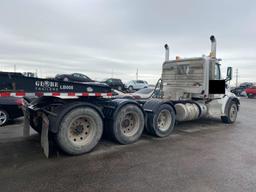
(232, 113)
(80, 130)
(250, 96)
(128, 124)
(130, 88)
(161, 123)
(119, 88)
(4, 117)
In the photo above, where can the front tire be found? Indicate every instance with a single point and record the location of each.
(232, 113)
(130, 88)
(4, 117)
(80, 130)
(128, 124)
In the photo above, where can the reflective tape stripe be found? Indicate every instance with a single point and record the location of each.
(54, 94)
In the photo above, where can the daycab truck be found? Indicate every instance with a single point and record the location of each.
(74, 115)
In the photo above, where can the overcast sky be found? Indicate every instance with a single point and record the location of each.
(104, 38)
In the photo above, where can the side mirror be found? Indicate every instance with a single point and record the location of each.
(229, 74)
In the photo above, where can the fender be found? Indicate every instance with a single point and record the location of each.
(44, 101)
(230, 99)
(152, 105)
(111, 108)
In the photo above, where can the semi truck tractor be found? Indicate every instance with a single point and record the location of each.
(74, 116)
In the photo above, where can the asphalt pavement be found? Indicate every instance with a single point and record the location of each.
(204, 155)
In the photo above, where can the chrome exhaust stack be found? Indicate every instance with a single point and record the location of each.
(166, 52)
(213, 47)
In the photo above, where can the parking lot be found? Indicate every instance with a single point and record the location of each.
(200, 156)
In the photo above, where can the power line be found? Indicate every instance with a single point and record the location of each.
(236, 77)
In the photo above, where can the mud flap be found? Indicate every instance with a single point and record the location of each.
(45, 135)
(47, 139)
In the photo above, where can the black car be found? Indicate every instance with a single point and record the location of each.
(74, 77)
(114, 83)
(10, 108)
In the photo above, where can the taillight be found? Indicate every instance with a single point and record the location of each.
(20, 101)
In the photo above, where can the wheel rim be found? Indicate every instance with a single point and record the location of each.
(119, 88)
(233, 112)
(164, 120)
(82, 130)
(3, 117)
(130, 124)
(130, 88)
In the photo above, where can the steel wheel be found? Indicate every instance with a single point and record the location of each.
(127, 124)
(161, 121)
(164, 120)
(233, 112)
(130, 124)
(3, 117)
(82, 130)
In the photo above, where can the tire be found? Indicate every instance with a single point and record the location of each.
(130, 88)
(4, 117)
(161, 123)
(119, 88)
(80, 130)
(232, 113)
(128, 124)
(251, 96)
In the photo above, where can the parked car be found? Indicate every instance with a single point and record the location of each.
(239, 91)
(146, 93)
(136, 85)
(74, 77)
(251, 92)
(121, 95)
(10, 108)
(114, 83)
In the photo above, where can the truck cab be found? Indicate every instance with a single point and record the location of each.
(198, 80)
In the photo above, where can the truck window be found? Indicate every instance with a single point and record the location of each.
(217, 75)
